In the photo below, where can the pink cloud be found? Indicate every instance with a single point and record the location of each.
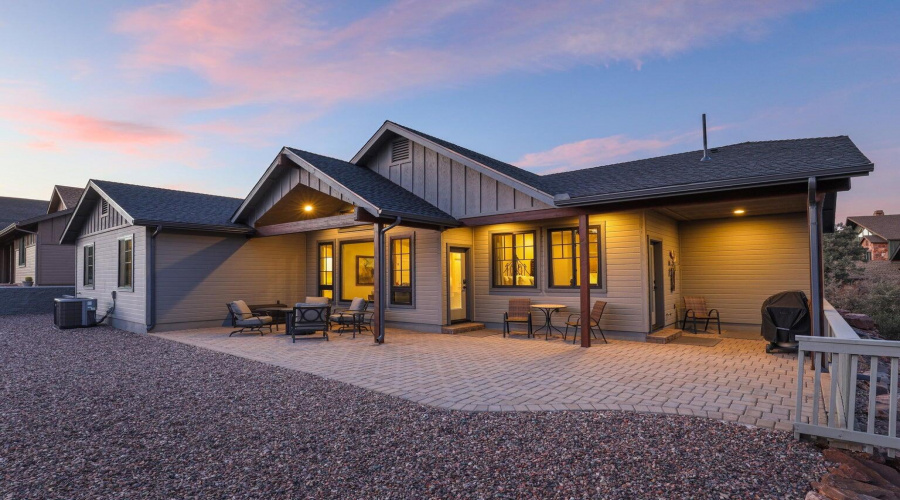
(89, 129)
(272, 51)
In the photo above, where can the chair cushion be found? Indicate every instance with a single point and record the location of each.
(240, 309)
(257, 321)
(317, 300)
(357, 304)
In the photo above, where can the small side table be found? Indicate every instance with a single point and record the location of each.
(279, 313)
(548, 310)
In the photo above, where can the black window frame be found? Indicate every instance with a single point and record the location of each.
(119, 271)
(410, 288)
(576, 248)
(87, 279)
(320, 287)
(515, 259)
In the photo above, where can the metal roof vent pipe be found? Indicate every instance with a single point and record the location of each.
(706, 156)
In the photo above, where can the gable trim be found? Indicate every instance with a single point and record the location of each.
(79, 209)
(389, 126)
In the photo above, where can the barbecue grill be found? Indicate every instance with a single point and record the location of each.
(784, 316)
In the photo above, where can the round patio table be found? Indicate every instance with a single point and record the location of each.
(548, 310)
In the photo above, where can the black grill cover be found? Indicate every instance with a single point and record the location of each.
(785, 315)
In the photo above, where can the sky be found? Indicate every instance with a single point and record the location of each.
(201, 95)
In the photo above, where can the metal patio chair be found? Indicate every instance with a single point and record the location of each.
(519, 311)
(574, 320)
(245, 319)
(307, 319)
(694, 309)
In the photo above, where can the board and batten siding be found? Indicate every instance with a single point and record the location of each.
(130, 312)
(283, 183)
(622, 264)
(449, 185)
(197, 274)
(737, 263)
(97, 222)
(56, 262)
(426, 309)
(662, 228)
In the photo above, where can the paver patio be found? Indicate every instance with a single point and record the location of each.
(734, 380)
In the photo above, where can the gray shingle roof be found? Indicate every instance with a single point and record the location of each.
(375, 189)
(739, 162)
(524, 176)
(150, 204)
(69, 195)
(17, 209)
(886, 226)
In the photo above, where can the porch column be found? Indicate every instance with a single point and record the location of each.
(584, 271)
(816, 264)
(378, 292)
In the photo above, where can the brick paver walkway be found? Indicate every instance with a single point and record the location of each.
(735, 380)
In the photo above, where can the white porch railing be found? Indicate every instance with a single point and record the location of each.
(840, 349)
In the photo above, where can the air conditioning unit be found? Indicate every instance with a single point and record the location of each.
(74, 312)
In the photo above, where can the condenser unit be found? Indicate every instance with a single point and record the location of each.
(74, 312)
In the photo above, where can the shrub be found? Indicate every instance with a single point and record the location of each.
(878, 297)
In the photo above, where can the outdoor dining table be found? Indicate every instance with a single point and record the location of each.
(548, 310)
(278, 313)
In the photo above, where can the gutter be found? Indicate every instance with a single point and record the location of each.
(195, 227)
(725, 185)
(151, 279)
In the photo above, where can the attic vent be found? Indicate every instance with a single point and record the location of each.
(104, 208)
(400, 150)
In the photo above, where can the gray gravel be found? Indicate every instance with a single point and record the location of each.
(102, 413)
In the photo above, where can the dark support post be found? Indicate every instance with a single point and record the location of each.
(379, 286)
(816, 264)
(585, 277)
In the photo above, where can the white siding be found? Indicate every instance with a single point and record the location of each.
(130, 313)
(665, 229)
(197, 274)
(737, 263)
(624, 277)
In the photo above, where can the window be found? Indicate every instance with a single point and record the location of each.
(126, 262)
(88, 278)
(104, 208)
(513, 260)
(22, 261)
(565, 258)
(401, 271)
(357, 270)
(326, 270)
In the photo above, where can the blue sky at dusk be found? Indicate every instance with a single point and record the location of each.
(201, 95)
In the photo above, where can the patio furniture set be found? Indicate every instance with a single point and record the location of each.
(304, 319)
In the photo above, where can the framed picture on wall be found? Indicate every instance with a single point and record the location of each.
(365, 270)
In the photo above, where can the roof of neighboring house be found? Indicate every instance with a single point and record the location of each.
(886, 226)
(68, 195)
(748, 163)
(16, 209)
(874, 238)
(385, 196)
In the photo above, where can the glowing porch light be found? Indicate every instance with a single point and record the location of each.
(307, 208)
(739, 211)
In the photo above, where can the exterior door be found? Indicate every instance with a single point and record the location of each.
(458, 281)
(657, 293)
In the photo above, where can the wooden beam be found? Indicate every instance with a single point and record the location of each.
(523, 216)
(302, 226)
(584, 270)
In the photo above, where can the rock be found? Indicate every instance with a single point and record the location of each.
(881, 476)
(850, 488)
(861, 321)
(812, 495)
(850, 472)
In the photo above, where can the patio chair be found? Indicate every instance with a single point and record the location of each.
(243, 317)
(574, 321)
(694, 309)
(318, 300)
(519, 311)
(353, 317)
(309, 318)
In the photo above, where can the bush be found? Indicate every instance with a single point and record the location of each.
(878, 297)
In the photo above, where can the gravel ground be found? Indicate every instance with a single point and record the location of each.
(102, 413)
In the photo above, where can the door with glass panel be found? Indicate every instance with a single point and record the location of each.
(458, 282)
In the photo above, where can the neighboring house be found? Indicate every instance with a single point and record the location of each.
(879, 234)
(17, 252)
(468, 232)
(32, 242)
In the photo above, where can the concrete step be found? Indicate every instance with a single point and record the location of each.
(664, 336)
(462, 327)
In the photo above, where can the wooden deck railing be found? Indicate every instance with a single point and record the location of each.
(840, 351)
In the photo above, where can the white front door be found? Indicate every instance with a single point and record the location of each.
(458, 283)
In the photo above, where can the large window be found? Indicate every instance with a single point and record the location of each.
(513, 264)
(357, 270)
(126, 262)
(22, 260)
(326, 270)
(401, 271)
(88, 276)
(565, 257)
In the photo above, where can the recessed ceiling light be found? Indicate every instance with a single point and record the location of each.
(739, 211)
(307, 208)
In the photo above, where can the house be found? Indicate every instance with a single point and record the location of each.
(17, 246)
(438, 234)
(879, 234)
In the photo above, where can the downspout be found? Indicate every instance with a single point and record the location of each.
(816, 266)
(379, 339)
(151, 279)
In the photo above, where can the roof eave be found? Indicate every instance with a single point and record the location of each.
(214, 228)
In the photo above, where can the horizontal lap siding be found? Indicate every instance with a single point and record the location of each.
(198, 274)
(738, 263)
(450, 185)
(28, 269)
(427, 294)
(665, 229)
(623, 273)
(130, 304)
